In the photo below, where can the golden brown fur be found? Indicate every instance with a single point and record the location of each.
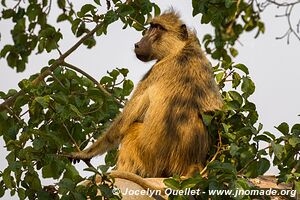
(160, 130)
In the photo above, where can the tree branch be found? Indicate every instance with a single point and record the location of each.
(57, 63)
(92, 79)
(283, 3)
(289, 7)
(219, 150)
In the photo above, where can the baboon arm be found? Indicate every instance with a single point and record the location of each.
(105, 142)
(134, 111)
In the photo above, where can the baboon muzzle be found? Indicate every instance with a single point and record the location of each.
(143, 50)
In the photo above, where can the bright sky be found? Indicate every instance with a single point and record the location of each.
(274, 65)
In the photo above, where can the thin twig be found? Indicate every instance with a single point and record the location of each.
(283, 3)
(15, 116)
(136, 22)
(71, 137)
(289, 6)
(48, 9)
(250, 162)
(92, 79)
(236, 15)
(56, 79)
(18, 3)
(216, 154)
(296, 167)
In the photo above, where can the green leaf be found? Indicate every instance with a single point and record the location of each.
(11, 157)
(86, 8)
(110, 17)
(236, 96)
(172, 183)
(228, 3)
(53, 170)
(114, 74)
(7, 48)
(21, 193)
(294, 140)
(156, 10)
(61, 4)
(257, 168)
(62, 17)
(191, 182)
(219, 77)
(33, 11)
(91, 169)
(125, 10)
(269, 134)
(223, 167)
(248, 86)
(207, 118)
(3, 2)
(81, 29)
(261, 138)
(44, 195)
(12, 59)
(260, 127)
(75, 25)
(43, 101)
(127, 87)
(233, 52)
(217, 19)
(97, 2)
(196, 7)
(297, 186)
(138, 27)
(233, 149)
(75, 110)
(236, 80)
(66, 185)
(242, 67)
(7, 178)
(263, 166)
(278, 150)
(296, 129)
(205, 19)
(106, 80)
(232, 105)
(283, 128)
(8, 13)
(72, 173)
(124, 71)
(11, 92)
(90, 42)
(111, 157)
(38, 144)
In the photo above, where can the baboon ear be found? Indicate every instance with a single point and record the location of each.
(184, 32)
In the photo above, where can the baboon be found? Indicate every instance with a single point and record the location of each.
(161, 130)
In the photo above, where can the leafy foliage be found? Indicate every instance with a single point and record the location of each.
(64, 111)
(230, 19)
(59, 111)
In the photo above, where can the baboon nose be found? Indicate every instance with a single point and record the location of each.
(136, 45)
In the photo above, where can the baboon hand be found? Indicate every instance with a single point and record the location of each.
(75, 157)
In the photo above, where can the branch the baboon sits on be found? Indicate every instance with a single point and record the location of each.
(161, 130)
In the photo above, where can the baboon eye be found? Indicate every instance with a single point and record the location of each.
(156, 26)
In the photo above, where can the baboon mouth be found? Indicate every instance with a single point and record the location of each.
(142, 57)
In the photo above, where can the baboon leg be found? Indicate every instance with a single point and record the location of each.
(129, 157)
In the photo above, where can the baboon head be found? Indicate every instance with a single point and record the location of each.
(167, 35)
